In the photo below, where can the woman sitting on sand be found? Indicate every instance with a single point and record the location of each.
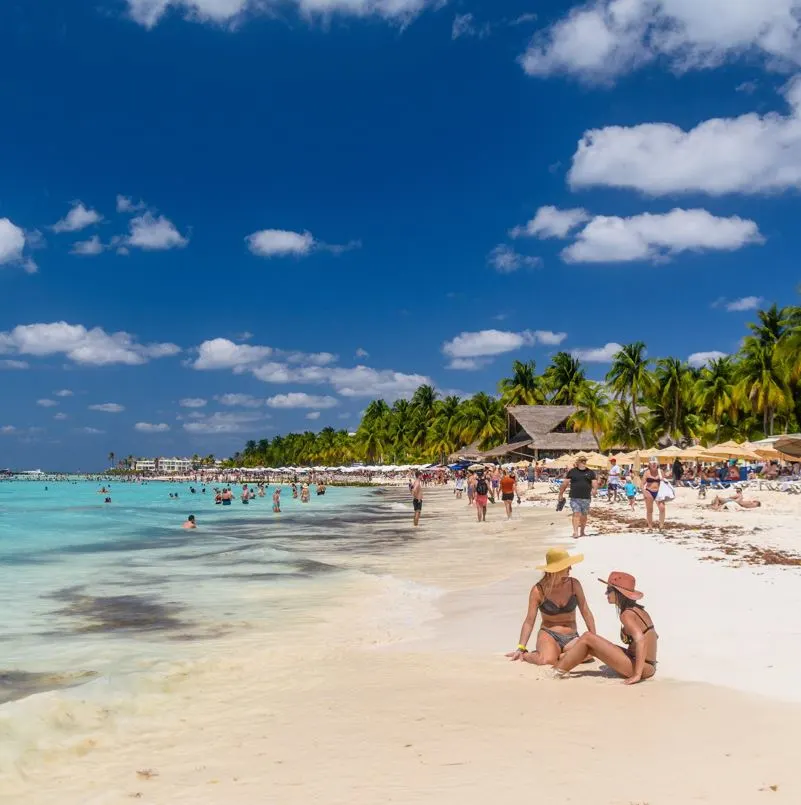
(636, 660)
(555, 596)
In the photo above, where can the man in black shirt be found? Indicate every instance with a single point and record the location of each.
(583, 485)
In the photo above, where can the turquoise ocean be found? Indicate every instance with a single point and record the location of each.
(97, 594)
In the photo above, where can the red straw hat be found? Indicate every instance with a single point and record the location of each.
(624, 583)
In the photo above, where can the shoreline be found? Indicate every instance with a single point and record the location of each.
(399, 672)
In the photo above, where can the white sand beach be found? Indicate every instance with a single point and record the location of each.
(392, 686)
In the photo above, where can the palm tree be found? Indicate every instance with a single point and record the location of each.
(626, 427)
(629, 378)
(715, 394)
(482, 418)
(674, 385)
(593, 411)
(762, 380)
(524, 387)
(564, 378)
(111, 457)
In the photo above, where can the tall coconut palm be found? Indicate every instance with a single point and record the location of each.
(593, 411)
(482, 418)
(524, 387)
(111, 457)
(626, 427)
(564, 378)
(629, 379)
(762, 380)
(674, 387)
(715, 394)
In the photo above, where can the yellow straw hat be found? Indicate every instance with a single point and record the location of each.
(557, 559)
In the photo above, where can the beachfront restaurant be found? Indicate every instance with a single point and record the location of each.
(535, 432)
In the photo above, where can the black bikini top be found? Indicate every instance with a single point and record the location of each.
(548, 607)
(626, 637)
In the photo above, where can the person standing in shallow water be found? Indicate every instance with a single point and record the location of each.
(417, 497)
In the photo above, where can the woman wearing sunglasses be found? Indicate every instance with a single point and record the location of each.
(636, 659)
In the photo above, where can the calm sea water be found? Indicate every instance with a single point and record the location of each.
(91, 589)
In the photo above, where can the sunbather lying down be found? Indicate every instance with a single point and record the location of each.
(734, 502)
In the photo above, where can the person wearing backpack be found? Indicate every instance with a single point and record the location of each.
(482, 494)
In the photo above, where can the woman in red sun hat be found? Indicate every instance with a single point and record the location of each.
(636, 659)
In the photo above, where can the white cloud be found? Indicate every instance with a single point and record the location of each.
(362, 381)
(12, 242)
(745, 303)
(551, 222)
(6, 430)
(46, 403)
(746, 154)
(702, 358)
(603, 354)
(467, 364)
(506, 260)
(240, 400)
(192, 402)
(149, 427)
(154, 233)
(221, 353)
(62, 393)
(126, 204)
(486, 343)
(90, 431)
(605, 38)
(608, 239)
(10, 364)
(224, 422)
(313, 415)
(228, 12)
(60, 416)
(87, 248)
(362, 353)
(280, 243)
(90, 347)
(108, 408)
(298, 399)
(79, 217)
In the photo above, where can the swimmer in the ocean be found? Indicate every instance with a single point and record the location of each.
(190, 522)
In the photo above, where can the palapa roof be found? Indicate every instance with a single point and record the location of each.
(539, 423)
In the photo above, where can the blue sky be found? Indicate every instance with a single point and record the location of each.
(285, 208)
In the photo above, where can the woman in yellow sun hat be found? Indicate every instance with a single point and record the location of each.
(556, 596)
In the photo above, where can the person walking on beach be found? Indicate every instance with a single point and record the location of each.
(496, 483)
(613, 484)
(471, 487)
(556, 596)
(482, 497)
(651, 481)
(508, 490)
(583, 486)
(417, 497)
(636, 660)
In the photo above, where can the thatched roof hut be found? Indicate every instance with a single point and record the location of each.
(537, 431)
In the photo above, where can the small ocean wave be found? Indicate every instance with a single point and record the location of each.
(399, 507)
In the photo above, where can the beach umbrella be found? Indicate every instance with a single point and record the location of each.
(475, 467)
(597, 461)
(790, 446)
(728, 450)
(523, 464)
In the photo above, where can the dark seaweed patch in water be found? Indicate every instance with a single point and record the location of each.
(113, 613)
(114, 546)
(19, 684)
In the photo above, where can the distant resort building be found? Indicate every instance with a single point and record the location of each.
(534, 432)
(165, 465)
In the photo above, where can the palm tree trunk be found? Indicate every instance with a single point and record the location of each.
(637, 421)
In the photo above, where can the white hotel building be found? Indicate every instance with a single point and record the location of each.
(165, 465)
